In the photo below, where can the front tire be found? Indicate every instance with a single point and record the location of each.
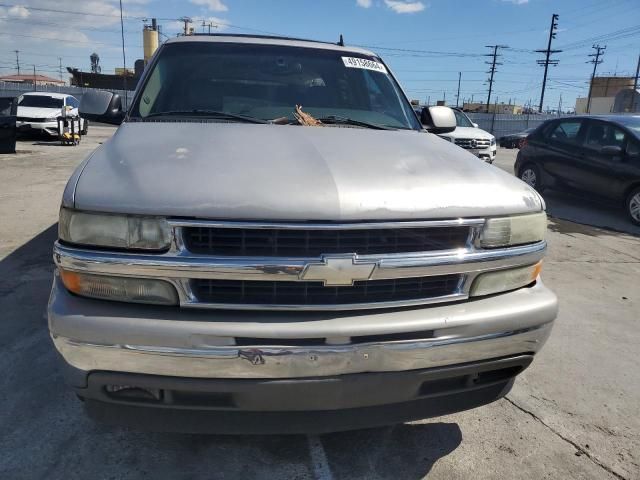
(530, 174)
(633, 206)
(85, 127)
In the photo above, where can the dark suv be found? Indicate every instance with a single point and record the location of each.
(597, 155)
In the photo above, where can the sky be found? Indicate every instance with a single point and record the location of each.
(425, 42)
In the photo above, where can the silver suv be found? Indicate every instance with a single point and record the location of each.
(272, 242)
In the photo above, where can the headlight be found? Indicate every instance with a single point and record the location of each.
(493, 141)
(449, 139)
(505, 280)
(122, 289)
(116, 231)
(517, 230)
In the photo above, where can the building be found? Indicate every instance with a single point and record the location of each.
(604, 91)
(627, 101)
(498, 108)
(610, 86)
(32, 79)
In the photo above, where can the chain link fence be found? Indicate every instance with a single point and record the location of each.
(12, 89)
(500, 125)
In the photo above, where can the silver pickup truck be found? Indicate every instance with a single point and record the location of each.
(272, 242)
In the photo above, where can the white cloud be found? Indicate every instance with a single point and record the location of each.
(213, 5)
(18, 11)
(403, 6)
(517, 2)
(364, 3)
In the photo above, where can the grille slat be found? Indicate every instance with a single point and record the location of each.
(313, 243)
(250, 292)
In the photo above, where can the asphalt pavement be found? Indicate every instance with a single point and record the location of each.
(575, 413)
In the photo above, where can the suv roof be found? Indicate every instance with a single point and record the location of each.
(47, 94)
(268, 40)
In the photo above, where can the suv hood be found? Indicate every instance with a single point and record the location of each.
(275, 172)
(468, 132)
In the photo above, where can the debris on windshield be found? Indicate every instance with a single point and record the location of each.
(306, 119)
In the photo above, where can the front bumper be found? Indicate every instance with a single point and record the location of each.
(51, 128)
(94, 335)
(235, 372)
(317, 405)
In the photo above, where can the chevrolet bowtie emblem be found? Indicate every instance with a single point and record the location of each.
(337, 270)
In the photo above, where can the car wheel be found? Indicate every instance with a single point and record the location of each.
(85, 127)
(633, 206)
(530, 175)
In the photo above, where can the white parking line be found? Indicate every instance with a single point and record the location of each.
(321, 469)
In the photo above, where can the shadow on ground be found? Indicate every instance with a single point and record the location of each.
(45, 433)
(587, 212)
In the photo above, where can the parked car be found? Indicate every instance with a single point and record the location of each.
(39, 112)
(515, 140)
(596, 155)
(272, 242)
(8, 108)
(470, 137)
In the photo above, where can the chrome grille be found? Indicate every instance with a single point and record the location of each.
(246, 292)
(469, 143)
(31, 119)
(315, 242)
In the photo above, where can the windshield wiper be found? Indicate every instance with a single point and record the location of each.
(350, 121)
(207, 113)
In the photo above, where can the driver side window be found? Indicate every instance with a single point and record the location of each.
(602, 134)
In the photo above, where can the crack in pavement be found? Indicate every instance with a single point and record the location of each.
(568, 440)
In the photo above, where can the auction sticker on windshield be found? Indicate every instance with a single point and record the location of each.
(355, 62)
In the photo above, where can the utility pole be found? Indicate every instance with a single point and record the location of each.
(596, 61)
(124, 60)
(458, 95)
(547, 61)
(494, 63)
(35, 82)
(186, 21)
(60, 67)
(635, 87)
(17, 60)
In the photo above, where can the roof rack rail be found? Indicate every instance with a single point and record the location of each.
(245, 35)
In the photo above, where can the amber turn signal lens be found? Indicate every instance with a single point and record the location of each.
(71, 280)
(121, 289)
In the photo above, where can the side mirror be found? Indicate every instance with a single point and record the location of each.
(101, 106)
(475, 125)
(438, 119)
(611, 150)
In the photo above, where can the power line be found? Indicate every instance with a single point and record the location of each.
(493, 64)
(547, 61)
(596, 61)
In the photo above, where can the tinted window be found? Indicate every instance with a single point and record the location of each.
(566, 131)
(40, 101)
(600, 134)
(268, 81)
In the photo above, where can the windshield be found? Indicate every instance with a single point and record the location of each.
(40, 101)
(266, 82)
(462, 120)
